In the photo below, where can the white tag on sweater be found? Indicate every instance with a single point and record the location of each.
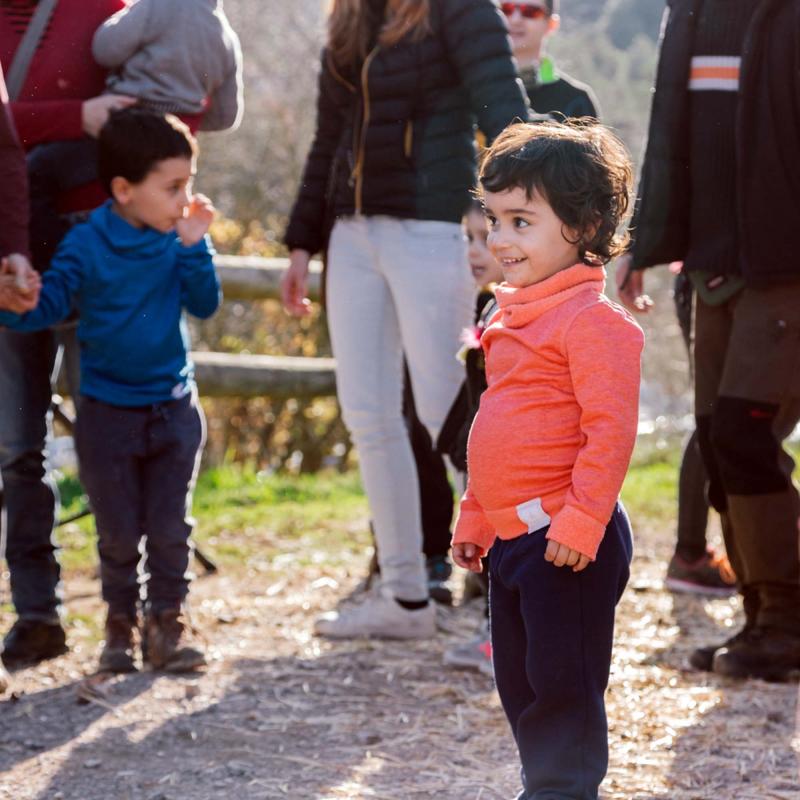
(533, 515)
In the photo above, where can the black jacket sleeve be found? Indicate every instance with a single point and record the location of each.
(306, 222)
(477, 42)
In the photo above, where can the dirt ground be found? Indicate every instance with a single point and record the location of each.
(279, 713)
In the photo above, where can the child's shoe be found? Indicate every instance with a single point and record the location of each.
(117, 652)
(379, 616)
(473, 654)
(439, 570)
(709, 575)
(166, 643)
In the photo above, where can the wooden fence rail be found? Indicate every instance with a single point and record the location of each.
(229, 375)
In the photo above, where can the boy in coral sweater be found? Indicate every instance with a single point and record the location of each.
(551, 444)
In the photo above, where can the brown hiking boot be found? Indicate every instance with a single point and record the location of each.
(117, 653)
(166, 644)
(767, 653)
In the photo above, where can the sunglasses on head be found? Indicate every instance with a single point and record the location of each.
(526, 11)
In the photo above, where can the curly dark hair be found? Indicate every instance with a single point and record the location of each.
(580, 168)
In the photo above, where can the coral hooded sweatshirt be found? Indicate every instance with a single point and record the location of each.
(553, 437)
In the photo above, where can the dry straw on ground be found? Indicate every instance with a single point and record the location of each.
(279, 714)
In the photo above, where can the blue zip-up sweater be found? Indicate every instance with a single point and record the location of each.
(130, 286)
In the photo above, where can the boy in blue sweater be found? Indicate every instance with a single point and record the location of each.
(131, 270)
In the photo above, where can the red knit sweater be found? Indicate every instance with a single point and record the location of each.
(552, 439)
(62, 75)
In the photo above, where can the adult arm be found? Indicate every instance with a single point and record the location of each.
(603, 346)
(200, 288)
(13, 184)
(122, 34)
(477, 43)
(306, 222)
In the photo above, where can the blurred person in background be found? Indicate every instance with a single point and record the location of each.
(718, 191)
(550, 91)
(402, 85)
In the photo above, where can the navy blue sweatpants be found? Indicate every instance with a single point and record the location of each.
(552, 630)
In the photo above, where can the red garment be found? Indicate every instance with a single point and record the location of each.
(62, 75)
(553, 437)
(13, 184)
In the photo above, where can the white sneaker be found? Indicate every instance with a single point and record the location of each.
(378, 616)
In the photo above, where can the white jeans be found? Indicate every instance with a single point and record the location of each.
(396, 287)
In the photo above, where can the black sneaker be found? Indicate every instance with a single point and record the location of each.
(439, 571)
(767, 653)
(31, 640)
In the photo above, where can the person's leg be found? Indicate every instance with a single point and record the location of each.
(435, 492)
(174, 440)
(434, 297)
(30, 499)
(757, 407)
(696, 568)
(369, 377)
(54, 168)
(559, 719)
(692, 503)
(713, 325)
(509, 638)
(110, 446)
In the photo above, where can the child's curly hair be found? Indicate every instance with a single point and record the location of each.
(581, 169)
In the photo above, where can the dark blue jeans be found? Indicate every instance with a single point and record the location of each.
(30, 498)
(552, 630)
(138, 466)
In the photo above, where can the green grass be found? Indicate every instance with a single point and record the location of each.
(249, 518)
(244, 516)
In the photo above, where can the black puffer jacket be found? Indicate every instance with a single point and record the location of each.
(767, 136)
(398, 137)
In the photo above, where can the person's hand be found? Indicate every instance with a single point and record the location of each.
(197, 219)
(630, 286)
(560, 555)
(94, 112)
(20, 284)
(294, 284)
(468, 556)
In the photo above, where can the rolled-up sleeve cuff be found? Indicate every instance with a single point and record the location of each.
(577, 530)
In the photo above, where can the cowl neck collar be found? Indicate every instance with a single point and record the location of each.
(520, 306)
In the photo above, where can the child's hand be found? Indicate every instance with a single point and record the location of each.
(560, 555)
(196, 221)
(468, 556)
(19, 284)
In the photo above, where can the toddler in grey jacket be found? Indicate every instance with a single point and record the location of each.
(174, 56)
